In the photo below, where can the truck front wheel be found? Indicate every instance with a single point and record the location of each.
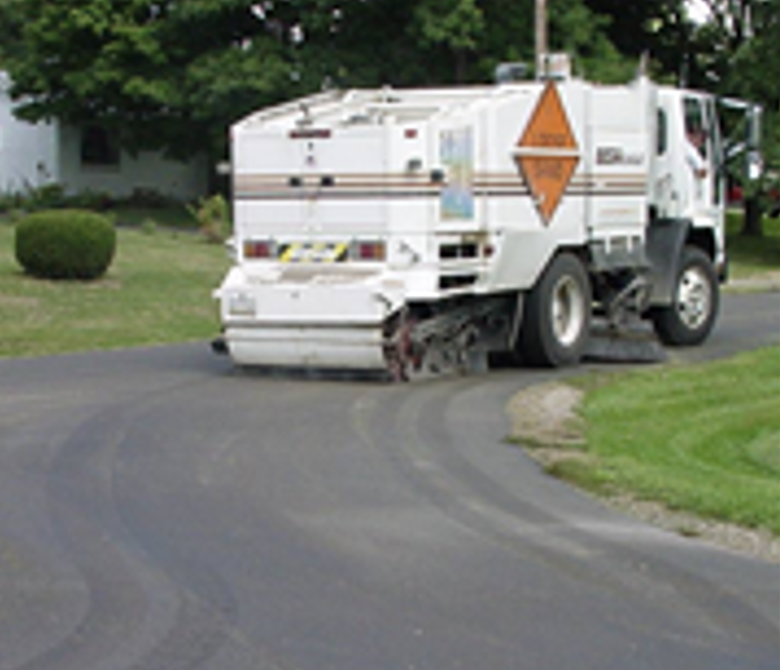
(556, 315)
(691, 316)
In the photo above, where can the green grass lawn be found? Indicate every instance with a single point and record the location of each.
(701, 438)
(156, 291)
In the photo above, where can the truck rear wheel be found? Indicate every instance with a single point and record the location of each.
(691, 316)
(556, 315)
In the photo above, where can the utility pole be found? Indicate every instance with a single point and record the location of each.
(541, 37)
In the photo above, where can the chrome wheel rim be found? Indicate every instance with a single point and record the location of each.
(568, 311)
(694, 298)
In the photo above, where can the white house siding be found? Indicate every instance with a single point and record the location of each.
(147, 171)
(33, 155)
(28, 152)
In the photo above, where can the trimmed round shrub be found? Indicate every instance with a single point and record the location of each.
(65, 244)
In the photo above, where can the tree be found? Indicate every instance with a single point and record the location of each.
(580, 32)
(658, 28)
(758, 61)
(740, 57)
(162, 74)
(456, 25)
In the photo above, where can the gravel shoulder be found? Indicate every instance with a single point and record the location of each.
(546, 422)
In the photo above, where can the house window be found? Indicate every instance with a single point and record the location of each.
(99, 147)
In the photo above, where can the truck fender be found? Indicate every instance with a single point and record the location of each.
(664, 242)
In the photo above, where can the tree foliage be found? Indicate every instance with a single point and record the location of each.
(737, 53)
(162, 74)
(658, 29)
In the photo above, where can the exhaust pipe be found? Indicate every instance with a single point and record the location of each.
(219, 346)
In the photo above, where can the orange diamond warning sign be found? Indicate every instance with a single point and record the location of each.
(547, 153)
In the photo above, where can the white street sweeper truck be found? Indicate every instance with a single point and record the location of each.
(404, 230)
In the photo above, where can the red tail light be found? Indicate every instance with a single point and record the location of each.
(258, 249)
(369, 251)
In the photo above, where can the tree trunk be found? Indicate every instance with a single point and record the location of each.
(461, 62)
(752, 221)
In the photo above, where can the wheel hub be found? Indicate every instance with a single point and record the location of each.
(693, 298)
(568, 311)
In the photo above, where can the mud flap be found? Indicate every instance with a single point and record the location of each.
(665, 241)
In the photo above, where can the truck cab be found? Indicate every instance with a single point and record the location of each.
(689, 156)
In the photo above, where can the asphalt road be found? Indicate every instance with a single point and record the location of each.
(160, 510)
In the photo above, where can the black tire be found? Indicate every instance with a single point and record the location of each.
(695, 303)
(557, 314)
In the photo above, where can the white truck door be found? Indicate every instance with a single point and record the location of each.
(665, 196)
(696, 154)
(687, 166)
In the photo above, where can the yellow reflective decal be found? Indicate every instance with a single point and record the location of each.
(314, 252)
